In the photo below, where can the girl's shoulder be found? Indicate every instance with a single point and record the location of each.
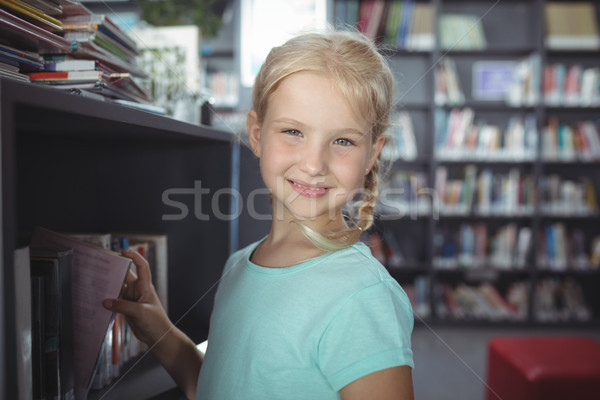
(357, 262)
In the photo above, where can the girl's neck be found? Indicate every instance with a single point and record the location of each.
(286, 245)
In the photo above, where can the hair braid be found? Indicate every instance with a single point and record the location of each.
(369, 199)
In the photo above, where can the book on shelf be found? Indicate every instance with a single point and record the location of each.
(487, 194)
(23, 35)
(97, 274)
(404, 194)
(473, 246)
(24, 324)
(418, 294)
(573, 86)
(570, 142)
(461, 32)
(460, 136)
(524, 88)
(55, 269)
(560, 300)
(561, 249)
(571, 26)
(566, 197)
(447, 84)
(32, 14)
(403, 24)
(402, 145)
(483, 302)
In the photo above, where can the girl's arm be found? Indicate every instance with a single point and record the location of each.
(387, 384)
(149, 322)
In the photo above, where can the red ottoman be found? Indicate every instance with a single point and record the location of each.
(543, 368)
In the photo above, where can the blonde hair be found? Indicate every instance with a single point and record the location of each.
(362, 76)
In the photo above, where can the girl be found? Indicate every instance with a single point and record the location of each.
(306, 312)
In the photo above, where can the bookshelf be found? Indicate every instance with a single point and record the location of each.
(80, 165)
(437, 269)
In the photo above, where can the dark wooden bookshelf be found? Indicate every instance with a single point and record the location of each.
(514, 30)
(75, 164)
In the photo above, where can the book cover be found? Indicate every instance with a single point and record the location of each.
(23, 323)
(56, 266)
(97, 274)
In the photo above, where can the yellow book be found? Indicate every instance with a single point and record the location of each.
(31, 12)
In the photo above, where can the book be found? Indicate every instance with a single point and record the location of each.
(23, 323)
(37, 338)
(32, 14)
(56, 269)
(66, 76)
(571, 25)
(97, 274)
(24, 35)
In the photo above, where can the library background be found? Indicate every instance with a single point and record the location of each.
(119, 128)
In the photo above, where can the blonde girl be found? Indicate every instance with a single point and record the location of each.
(306, 312)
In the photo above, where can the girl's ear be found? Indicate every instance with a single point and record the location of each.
(377, 147)
(253, 132)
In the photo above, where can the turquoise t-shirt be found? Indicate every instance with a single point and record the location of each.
(305, 331)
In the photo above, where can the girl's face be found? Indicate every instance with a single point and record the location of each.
(314, 151)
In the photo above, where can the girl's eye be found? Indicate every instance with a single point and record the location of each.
(293, 132)
(343, 142)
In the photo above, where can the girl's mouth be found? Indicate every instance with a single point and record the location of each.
(308, 190)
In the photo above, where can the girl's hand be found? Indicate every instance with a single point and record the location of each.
(140, 303)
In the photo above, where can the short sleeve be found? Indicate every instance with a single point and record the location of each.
(370, 332)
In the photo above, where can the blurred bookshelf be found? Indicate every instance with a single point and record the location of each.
(490, 217)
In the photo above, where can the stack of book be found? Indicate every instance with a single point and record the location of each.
(459, 137)
(566, 197)
(29, 28)
(489, 194)
(573, 86)
(402, 24)
(102, 61)
(560, 249)
(577, 142)
(461, 32)
(571, 26)
(473, 246)
(560, 300)
(483, 302)
(447, 85)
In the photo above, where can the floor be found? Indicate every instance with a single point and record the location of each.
(450, 362)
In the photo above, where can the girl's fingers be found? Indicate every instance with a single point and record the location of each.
(143, 269)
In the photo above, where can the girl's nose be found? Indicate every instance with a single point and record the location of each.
(314, 159)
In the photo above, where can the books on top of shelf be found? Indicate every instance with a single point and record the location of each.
(460, 137)
(404, 194)
(24, 35)
(32, 14)
(461, 32)
(403, 24)
(97, 274)
(571, 26)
